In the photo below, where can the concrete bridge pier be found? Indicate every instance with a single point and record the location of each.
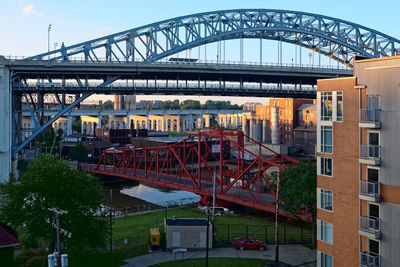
(6, 129)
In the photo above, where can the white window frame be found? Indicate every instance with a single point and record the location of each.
(374, 131)
(373, 239)
(320, 225)
(336, 106)
(319, 258)
(325, 94)
(319, 198)
(319, 162)
(376, 204)
(375, 168)
(320, 136)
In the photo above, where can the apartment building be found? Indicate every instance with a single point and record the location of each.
(358, 151)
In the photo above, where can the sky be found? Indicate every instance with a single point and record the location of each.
(24, 23)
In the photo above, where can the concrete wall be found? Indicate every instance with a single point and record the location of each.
(6, 122)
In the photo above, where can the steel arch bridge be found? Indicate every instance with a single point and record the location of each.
(333, 37)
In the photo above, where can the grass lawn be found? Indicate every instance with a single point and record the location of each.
(215, 262)
(135, 229)
(257, 225)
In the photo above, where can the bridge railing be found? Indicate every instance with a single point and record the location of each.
(198, 62)
(164, 85)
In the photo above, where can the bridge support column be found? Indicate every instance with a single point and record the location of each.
(99, 121)
(6, 129)
(251, 135)
(69, 125)
(163, 124)
(244, 125)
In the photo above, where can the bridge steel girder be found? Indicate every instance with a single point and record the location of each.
(242, 174)
(41, 128)
(333, 37)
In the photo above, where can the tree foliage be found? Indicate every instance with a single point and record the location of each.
(77, 125)
(50, 183)
(298, 191)
(108, 105)
(78, 152)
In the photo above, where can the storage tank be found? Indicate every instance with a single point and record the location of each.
(275, 125)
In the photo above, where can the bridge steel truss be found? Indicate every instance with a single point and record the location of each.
(333, 37)
(243, 168)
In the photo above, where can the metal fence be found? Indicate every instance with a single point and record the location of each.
(266, 233)
(225, 233)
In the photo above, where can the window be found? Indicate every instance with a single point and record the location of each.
(339, 114)
(373, 246)
(326, 232)
(326, 199)
(326, 106)
(326, 260)
(326, 166)
(372, 175)
(326, 139)
(373, 210)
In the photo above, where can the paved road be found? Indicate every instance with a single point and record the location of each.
(292, 254)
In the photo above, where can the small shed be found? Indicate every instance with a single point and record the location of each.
(8, 239)
(187, 233)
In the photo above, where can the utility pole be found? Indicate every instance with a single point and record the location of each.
(208, 231)
(277, 222)
(213, 210)
(58, 214)
(111, 220)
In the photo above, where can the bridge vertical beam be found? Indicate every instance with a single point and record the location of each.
(5, 118)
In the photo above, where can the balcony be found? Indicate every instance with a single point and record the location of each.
(370, 118)
(369, 259)
(370, 227)
(370, 154)
(370, 191)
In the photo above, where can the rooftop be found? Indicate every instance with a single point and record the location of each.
(186, 222)
(8, 237)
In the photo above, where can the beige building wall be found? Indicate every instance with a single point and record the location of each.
(189, 236)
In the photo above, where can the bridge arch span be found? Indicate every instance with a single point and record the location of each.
(333, 37)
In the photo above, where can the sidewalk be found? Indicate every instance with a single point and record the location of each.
(292, 254)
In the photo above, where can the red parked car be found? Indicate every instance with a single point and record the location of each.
(248, 243)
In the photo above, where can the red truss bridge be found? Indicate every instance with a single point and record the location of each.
(242, 167)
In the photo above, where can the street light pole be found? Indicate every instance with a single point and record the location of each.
(58, 214)
(213, 209)
(208, 231)
(48, 40)
(277, 222)
(110, 220)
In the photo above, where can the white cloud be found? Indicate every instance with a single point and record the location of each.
(29, 9)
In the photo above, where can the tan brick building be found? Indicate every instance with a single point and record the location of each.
(358, 194)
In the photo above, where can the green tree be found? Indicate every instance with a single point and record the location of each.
(78, 152)
(48, 183)
(77, 125)
(108, 105)
(298, 191)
